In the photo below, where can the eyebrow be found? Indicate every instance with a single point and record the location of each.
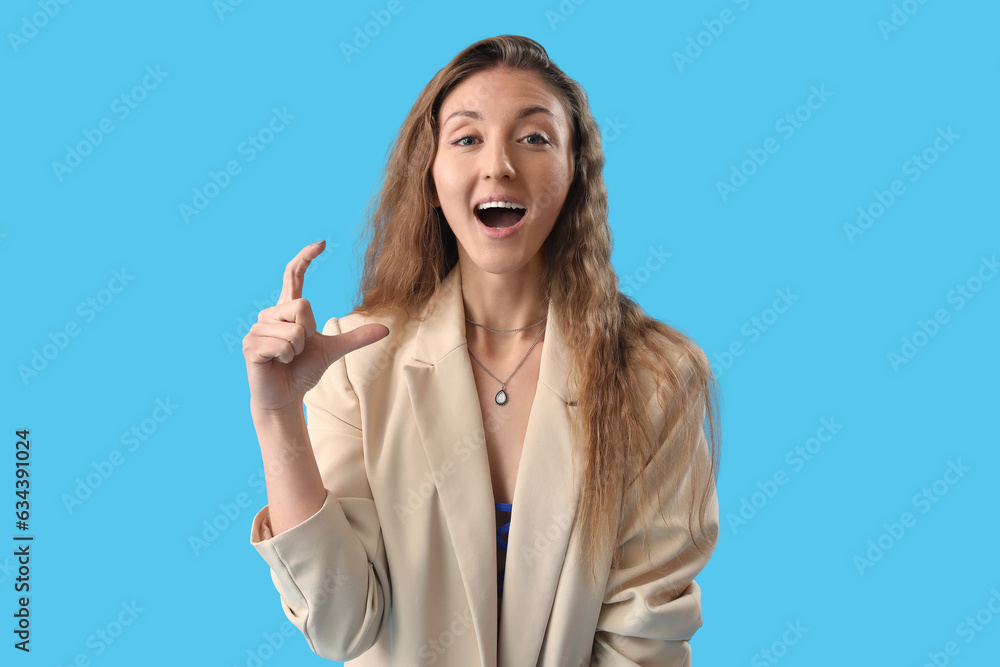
(523, 113)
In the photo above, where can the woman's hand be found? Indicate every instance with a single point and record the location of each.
(286, 356)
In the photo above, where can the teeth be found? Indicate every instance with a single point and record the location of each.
(499, 204)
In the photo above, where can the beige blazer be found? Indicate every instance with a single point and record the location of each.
(399, 566)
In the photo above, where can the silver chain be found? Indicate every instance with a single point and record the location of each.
(503, 383)
(505, 330)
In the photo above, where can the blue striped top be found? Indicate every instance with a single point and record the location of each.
(503, 528)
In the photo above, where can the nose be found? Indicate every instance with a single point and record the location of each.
(496, 162)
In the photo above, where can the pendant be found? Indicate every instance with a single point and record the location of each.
(501, 397)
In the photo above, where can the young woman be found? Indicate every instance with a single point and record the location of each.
(506, 461)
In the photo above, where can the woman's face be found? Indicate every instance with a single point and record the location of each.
(503, 135)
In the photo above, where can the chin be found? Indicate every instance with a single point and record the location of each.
(498, 266)
(501, 262)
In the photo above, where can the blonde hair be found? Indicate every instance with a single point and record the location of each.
(410, 248)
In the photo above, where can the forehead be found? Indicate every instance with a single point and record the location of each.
(500, 91)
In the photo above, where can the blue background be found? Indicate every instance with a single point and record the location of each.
(673, 130)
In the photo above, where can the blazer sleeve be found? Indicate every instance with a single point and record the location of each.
(651, 609)
(331, 570)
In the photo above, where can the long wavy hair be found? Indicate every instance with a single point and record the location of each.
(409, 249)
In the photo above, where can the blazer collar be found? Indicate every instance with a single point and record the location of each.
(449, 420)
(442, 331)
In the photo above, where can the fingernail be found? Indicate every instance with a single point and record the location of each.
(320, 242)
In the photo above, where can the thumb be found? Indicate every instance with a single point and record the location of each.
(341, 344)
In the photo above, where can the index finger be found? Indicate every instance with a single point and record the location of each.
(295, 271)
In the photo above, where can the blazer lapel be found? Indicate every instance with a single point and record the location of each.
(449, 419)
(544, 507)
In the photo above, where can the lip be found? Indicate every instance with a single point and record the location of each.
(493, 233)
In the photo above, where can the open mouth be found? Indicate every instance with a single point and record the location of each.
(499, 214)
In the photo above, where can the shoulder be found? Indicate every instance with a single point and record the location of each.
(678, 392)
(669, 363)
(680, 406)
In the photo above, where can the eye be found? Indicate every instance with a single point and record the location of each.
(541, 136)
(541, 140)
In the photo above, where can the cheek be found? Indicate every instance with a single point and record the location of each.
(555, 183)
(447, 178)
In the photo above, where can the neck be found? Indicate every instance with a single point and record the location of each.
(502, 301)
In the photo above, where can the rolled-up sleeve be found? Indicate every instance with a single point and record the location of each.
(652, 607)
(331, 570)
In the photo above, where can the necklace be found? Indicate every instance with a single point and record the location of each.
(505, 330)
(502, 397)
